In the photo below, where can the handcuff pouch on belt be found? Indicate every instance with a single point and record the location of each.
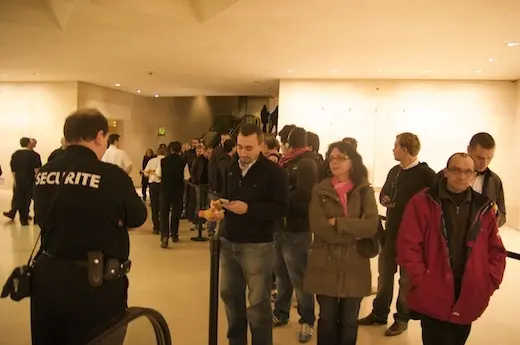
(100, 269)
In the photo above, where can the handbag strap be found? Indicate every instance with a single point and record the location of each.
(42, 221)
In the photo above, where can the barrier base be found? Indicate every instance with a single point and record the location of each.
(200, 239)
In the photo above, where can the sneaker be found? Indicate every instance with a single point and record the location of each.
(396, 329)
(305, 333)
(280, 321)
(372, 320)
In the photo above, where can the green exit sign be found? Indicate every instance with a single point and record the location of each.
(162, 131)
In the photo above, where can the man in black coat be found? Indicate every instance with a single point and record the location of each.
(257, 191)
(171, 173)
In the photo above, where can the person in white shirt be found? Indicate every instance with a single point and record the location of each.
(153, 172)
(116, 156)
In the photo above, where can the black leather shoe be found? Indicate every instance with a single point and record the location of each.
(175, 238)
(164, 243)
(396, 329)
(372, 320)
(9, 215)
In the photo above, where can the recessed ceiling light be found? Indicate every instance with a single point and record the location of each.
(492, 59)
(334, 70)
(290, 70)
(156, 95)
(478, 71)
(427, 70)
(118, 84)
(138, 91)
(36, 74)
(380, 70)
(513, 44)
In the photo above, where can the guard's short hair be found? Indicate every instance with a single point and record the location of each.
(252, 129)
(175, 147)
(313, 140)
(272, 144)
(24, 142)
(84, 124)
(112, 138)
(161, 151)
(410, 142)
(229, 145)
(482, 139)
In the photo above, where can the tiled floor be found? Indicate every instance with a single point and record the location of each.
(175, 282)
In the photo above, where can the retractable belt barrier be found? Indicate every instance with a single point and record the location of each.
(512, 255)
(214, 266)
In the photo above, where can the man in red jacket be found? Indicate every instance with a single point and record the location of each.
(449, 245)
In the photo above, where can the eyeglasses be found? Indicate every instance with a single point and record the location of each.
(462, 172)
(339, 158)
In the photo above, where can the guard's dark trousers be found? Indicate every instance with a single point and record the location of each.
(22, 198)
(155, 198)
(66, 309)
(171, 208)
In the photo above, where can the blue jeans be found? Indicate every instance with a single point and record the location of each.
(247, 265)
(291, 251)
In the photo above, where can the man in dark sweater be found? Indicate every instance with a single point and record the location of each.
(402, 183)
(171, 173)
(24, 165)
(59, 152)
(257, 193)
(293, 240)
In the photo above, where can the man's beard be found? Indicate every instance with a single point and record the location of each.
(244, 162)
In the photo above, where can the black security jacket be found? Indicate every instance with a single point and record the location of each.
(264, 190)
(84, 205)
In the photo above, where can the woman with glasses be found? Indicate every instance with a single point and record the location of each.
(342, 212)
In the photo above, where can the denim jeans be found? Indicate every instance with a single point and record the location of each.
(247, 265)
(291, 251)
(387, 268)
(338, 320)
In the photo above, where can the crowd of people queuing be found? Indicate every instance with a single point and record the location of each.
(313, 222)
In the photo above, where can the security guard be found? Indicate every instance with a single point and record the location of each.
(79, 284)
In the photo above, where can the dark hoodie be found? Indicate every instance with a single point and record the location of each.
(302, 175)
(400, 186)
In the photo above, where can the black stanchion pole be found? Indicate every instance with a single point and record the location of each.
(200, 207)
(213, 289)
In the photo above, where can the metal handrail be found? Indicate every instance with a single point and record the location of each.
(160, 326)
(511, 255)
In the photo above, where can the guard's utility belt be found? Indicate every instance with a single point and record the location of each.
(98, 268)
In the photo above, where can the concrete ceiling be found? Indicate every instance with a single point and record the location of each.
(243, 47)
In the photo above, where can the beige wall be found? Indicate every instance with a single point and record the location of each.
(445, 114)
(35, 110)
